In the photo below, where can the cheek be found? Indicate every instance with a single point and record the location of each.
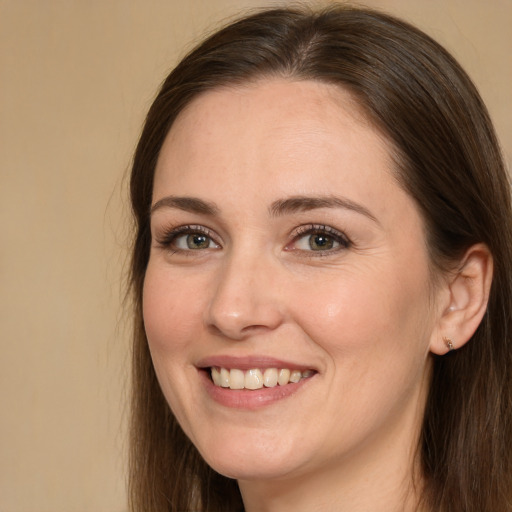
(375, 331)
(171, 322)
(366, 311)
(170, 313)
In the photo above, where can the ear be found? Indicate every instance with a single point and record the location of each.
(465, 296)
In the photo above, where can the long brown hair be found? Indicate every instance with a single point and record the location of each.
(447, 158)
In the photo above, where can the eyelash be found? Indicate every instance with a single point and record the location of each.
(170, 236)
(320, 229)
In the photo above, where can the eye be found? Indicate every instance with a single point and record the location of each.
(193, 241)
(188, 238)
(317, 242)
(318, 238)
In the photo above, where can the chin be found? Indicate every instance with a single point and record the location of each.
(251, 469)
(254, 461)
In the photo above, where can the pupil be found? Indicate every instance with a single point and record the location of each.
(197, 241)
(321, 242)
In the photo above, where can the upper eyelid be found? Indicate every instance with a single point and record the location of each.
(306, 229)
(310, 229)
(170, 233)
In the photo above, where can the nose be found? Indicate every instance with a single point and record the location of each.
(246, 299)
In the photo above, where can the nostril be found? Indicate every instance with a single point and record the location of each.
(213, 329)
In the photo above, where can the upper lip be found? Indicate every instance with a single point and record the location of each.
(249, 362)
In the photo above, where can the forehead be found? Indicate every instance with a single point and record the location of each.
(277, 94)
(282, 102)
(275, 124)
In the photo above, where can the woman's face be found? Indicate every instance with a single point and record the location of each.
(286, 258)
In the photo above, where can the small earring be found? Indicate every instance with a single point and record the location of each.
(448, 342)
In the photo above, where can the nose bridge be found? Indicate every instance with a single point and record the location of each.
(244, 300)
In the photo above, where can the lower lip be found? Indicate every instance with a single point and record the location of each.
(251, 399)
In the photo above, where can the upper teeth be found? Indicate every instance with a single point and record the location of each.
(256, 378)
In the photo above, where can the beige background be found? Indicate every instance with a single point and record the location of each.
(76, 77)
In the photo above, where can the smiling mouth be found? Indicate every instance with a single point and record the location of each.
(256, 378)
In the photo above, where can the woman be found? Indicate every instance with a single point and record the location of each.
(321, 276)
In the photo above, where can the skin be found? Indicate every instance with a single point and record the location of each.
(364, 314)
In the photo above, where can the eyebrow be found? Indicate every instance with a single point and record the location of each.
(277, 208)
(187, 204)
(306, 203)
